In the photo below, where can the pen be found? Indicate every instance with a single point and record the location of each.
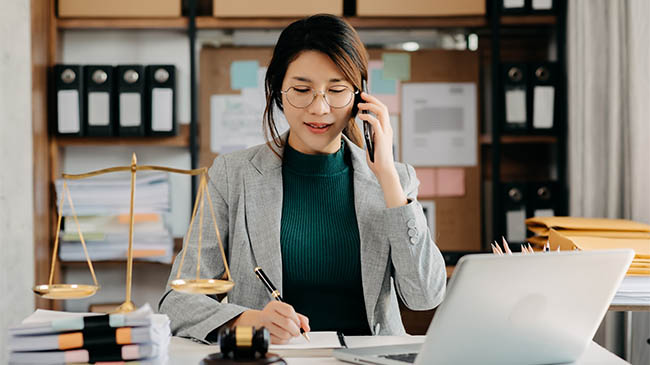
(274, 293)
(342, 339)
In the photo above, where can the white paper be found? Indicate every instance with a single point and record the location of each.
(162, 100)
(68, 111)
(516, 225)
(516, 106)
(439, 124)
(130, 110)
(544, 213)
(513, 4)
(98, 108)
(236, 119)
(319, 340)
(543, 104)
(429, 208)
(542, 4)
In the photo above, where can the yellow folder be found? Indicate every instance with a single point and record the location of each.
(589, 226)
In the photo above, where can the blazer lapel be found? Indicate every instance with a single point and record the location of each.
(263, 202)
(369, 209)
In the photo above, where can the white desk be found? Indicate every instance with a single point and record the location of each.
(184, 351)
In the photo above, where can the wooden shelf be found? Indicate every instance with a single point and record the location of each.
(209, 22)
(515, 20)
(486, 139)
(180, 140)
(206, 22)
(122, 23)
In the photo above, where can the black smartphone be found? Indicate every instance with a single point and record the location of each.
(367, 128)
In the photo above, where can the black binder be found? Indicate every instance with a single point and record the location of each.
(514, 7)
(130, 103)
(99, 116)
(544, 199)
(161, 100)
(68, 107)
(515, 97)
(515, 209)
(543, 97)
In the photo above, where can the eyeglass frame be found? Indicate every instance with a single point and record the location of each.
(316, 93)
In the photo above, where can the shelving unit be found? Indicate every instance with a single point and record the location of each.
(46, 29)
(501, 144)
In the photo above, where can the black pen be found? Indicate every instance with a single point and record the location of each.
(274, 293)
(342, 339)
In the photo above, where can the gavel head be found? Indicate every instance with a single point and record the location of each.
(244, 342)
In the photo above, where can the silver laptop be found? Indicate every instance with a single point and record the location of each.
(521, 309)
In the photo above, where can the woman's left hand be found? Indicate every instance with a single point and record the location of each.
(384, 165)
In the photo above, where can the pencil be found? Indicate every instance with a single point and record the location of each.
(275, 293)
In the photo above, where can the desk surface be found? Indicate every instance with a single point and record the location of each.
(184, 351)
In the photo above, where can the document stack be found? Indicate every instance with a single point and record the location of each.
(571, 233)
(102, 209)
(51, 337)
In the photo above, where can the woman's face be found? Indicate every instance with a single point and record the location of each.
(317, 128)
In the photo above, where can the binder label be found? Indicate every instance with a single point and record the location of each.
(516, 106)
(544, 97)
(68, 111)
(162, 109)
(98, 108)
(130, 110)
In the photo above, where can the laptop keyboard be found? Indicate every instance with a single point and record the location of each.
(410, 357)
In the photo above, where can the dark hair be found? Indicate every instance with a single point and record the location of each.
(324, 33)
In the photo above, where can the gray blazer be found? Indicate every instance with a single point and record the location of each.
(397, 251)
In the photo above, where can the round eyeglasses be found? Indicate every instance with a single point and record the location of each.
(302, 96)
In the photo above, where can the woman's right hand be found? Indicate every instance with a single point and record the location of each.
(279, 318)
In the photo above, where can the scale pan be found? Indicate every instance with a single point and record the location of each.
(202, 286)
(65, 291)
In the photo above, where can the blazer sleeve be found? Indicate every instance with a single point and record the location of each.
(419, 268)
(196, 315)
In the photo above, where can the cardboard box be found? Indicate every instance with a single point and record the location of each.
(119, 8)
(420, 7)
(278, 8)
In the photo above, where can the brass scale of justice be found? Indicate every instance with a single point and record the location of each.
(193, 286)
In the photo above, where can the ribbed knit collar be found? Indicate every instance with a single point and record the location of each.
(314, 164)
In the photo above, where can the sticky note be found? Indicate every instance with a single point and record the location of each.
(243, 74)
(450, 181)
(427, 177)
(391, 100)
(379, 85)
(397, 66)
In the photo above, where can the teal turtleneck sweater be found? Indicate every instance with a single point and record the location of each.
(321, 266)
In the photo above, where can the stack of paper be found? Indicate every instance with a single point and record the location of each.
(51, 337)
(634, 290)
(570, 233)
(102, 208)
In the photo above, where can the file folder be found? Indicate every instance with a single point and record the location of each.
(68, 100)
(161, 100)
(543, 97)
(542, 6)
(98, 98)
(515, 91)
(514, 6)
(130, 102)
(543, 199)
(515, 202)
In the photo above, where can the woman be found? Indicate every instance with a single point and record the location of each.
(338, 234)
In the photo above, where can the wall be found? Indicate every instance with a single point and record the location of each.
(16, 194)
